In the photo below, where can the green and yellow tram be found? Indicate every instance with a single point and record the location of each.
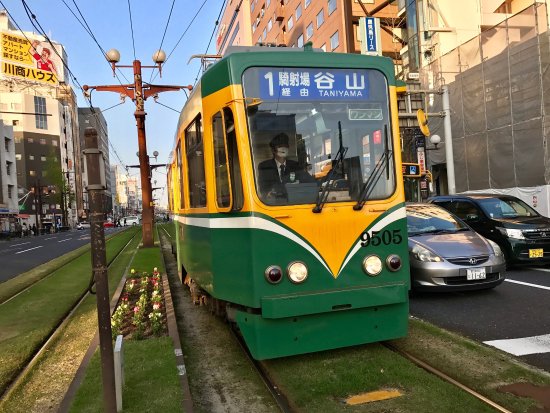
(311, 255)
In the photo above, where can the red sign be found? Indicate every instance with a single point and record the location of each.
(377, 137)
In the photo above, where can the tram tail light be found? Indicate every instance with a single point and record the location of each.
(394, 263)
(273, 274)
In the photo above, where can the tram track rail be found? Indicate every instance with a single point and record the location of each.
(443, 376)
(278, 396)
(20, 374)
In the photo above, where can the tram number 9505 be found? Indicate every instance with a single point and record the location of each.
(385, 237)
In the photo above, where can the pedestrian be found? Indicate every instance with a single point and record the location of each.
(124, 221)
(33, 229)
(25, 229)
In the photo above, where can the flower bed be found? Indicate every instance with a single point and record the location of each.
(141, 311)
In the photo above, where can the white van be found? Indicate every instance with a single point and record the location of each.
(131, 220)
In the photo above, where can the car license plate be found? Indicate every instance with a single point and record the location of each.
(475, 274)
(536, 253)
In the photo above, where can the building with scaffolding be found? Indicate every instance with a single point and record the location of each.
(8, 181)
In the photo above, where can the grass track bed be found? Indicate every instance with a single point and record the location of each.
(29, 318)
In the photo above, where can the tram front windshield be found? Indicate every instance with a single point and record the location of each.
(315, 130)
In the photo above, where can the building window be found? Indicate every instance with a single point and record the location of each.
(8, 168)
(300, 42)
(269, 25)
(267, 4)
(17, 156)
(43, 158)
(15, 122)
(306, 3)
(298, 12)
(40, 112)
(290, 23)
(18, 139)
(320, 18)
(44, 173)
(7, 144)
(32, 173)
(334, 42)
(309, 31)
(42, 141)
(10, 191)
(30, 140)
(331, 6)
(324, 47)
(54, 143)
(31, 157)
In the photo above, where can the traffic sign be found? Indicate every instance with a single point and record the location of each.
(411, 170)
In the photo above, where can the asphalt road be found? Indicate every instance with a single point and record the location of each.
(514, 317)
(22, 254)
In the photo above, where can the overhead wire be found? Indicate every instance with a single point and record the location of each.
(42, 32)
(163, 36)
(132, 29)
(211, 37)
(89, 30)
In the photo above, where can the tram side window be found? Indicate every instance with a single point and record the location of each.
(195, 164)
(180, 175)
(220, 163)
(227, 161)
(170, 193)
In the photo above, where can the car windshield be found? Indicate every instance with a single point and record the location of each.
(506, 208)
(429, 218)
(294, 118)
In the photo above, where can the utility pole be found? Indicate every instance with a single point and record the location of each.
(96, 188)
(139, 93)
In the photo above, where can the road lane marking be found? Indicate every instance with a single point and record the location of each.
(63, 240)
(523, 346)
(542, 287)
(539, 269)
(45, 239)
(17, 245)
(30, 249)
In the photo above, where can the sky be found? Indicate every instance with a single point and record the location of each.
(111, 24)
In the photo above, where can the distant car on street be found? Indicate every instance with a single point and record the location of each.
(446, 254)
(521, 232)
(108, 224)
(83, 225)
(131, 220)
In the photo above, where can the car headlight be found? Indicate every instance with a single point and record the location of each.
(424, 254)
(297, 272)
(496, 248)
(372, 265)
(512, 233)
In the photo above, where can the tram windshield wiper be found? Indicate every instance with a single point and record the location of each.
(370, 184)
(329, 181)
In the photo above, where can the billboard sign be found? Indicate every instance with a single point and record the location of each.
(371, 43)
(29, 59)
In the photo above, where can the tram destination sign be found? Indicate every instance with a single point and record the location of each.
(314, 84)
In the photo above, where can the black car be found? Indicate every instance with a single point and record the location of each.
(520, 231)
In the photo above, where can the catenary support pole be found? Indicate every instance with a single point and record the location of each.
(96, 189)
(448, 141)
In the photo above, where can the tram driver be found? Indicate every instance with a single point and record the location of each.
(275, 174)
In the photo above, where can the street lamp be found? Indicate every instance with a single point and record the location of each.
(139, 92)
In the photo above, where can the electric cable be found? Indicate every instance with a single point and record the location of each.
(163, 36)
(132, 29)
(183, 34)
(211, 37)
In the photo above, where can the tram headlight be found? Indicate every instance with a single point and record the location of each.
(372, 265)
(297, 272)
(393, 262)
(273, 274)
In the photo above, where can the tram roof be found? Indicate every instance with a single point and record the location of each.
(229, 69)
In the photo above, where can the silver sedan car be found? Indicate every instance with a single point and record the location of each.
(446, 254)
